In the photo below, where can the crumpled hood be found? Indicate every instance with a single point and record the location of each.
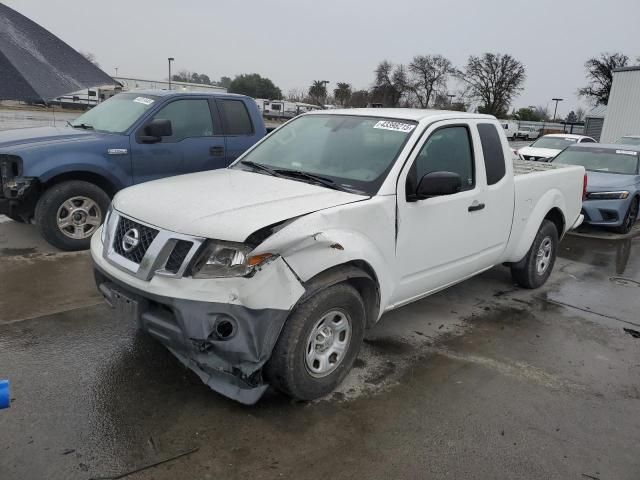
(602, 181)
(225, 204)
(27, 137)
(539, 152)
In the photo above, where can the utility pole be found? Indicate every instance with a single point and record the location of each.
(557, 100)
(171, 59)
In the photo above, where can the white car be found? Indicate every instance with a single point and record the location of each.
(548, 146)
(527, 133)
(268, 272)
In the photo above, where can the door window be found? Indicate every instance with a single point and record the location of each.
(236, 117)
(492, 152)
(448, 149)
(189, 118)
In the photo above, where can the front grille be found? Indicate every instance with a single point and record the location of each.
(145, 237)
(178, 254)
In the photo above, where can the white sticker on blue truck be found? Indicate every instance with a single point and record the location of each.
(395, 126)
(143, 100)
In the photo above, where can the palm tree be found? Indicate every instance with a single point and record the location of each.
(342, 93)
(318, 91)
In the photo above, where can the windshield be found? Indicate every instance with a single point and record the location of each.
(629, 140)
(601, 160)
(115, 115)
(353, 152)
(557, 143)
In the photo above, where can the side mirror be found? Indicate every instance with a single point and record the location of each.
(156, 129)
(435, 184)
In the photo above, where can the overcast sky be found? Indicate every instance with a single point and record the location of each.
(296, 41)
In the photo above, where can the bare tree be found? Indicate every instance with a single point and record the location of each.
(494, 80)
(295, 95)
(91, 57)
(580, 114)
(600, 76)
(428, 76)
(390, 84)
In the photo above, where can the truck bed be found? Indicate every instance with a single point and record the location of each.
(523, 167)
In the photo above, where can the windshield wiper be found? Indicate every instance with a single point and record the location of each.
(324, 181)
(259, 166)
(83, 126)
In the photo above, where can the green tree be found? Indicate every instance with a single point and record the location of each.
(390, 84)
(530, 114)
(600, 76)
(428, 76)
(572, 117)
(255, 86)
(494, 80)
(342, 93)
(191, 77)
(318, 92)
(359, 99)
(225, 82)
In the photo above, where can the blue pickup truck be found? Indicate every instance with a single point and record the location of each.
(63, 178)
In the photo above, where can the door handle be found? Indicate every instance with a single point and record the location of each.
(476, 206)
(216, 151)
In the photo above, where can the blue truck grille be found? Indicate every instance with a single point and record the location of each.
(145, 235)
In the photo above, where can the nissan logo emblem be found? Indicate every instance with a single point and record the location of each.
(130, 239)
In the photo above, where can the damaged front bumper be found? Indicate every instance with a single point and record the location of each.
(221, 337)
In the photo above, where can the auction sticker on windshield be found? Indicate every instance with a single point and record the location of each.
(395, 126)
(143, 100)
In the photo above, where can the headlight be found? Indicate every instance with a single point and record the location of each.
(226, 259)
(103, 234)
(607, 195)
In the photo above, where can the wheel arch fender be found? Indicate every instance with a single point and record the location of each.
(334, 256)
(550, 207)
(98, 172)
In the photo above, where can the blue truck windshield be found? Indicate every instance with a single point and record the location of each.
(117, 114)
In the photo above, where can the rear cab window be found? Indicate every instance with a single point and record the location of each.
(492, 152)
(235, 117)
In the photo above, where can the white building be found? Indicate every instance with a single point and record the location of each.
(623, 110)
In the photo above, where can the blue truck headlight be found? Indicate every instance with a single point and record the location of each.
(226, 259)
(621, 195)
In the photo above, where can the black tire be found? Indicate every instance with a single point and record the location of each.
(47, 210)
(287, 369)
(526, 272)
(630, 218)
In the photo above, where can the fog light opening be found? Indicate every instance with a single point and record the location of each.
(225, 329)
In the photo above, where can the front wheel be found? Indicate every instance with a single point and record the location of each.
(68, 213)
(318, 344)
(535, 268)
(630, 218)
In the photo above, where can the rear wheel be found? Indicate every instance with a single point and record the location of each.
(318, 344)
(535, 268)
(69, 213)
(630, 218)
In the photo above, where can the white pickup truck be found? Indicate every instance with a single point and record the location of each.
(268, 272)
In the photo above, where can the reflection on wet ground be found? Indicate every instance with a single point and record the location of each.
(483, 380)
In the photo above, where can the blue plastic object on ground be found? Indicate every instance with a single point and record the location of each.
(5, 399)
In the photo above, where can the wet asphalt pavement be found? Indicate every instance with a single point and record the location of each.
(484, 380)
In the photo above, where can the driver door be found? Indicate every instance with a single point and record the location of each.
(437, 239)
